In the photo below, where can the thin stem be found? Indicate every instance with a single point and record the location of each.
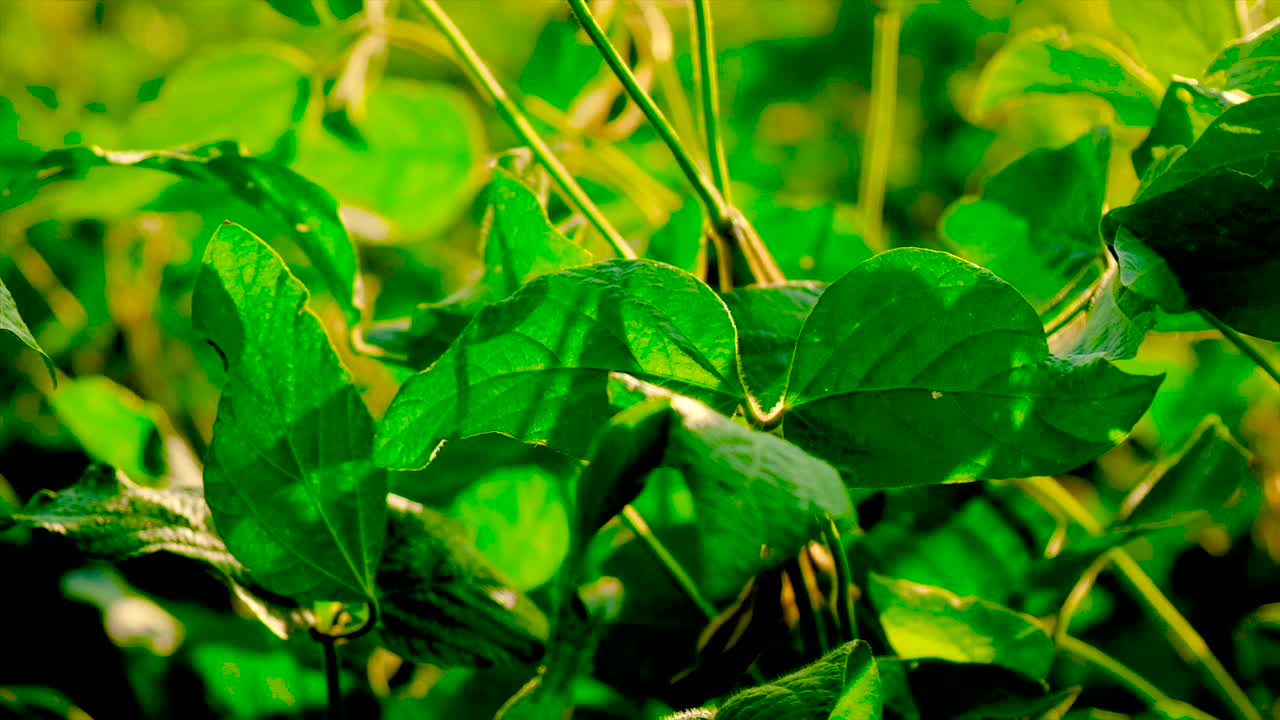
(710, 87)
(634, 520)
(1051, 491)
(844, 608)
(513, 116)
(878, 142)
(333, 679)
(716, 207)
(1241, 342)
(1120, 672)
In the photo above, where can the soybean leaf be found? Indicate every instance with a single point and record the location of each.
(304, 11)
(679, 242)
(1205, 475)
(249, 94)
(108, 516)
(302, 209)
(769, 321)
(919, 368)
(1051, 60)
(1250, 64)
(1113, 326)
(821, 242)
(416, 176)
(964, 691)
(810, 693)
(1185, 112)
(288, 473)
(1175, 37)
(114, 425)
(12, 325)
(750, 489)
(562, 63)
(861, 698)
(1036, 224)
(535, 365)
(443, 603)
(929, 622)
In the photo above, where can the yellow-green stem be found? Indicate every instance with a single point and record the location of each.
(710, 87)
(635, 521)
(513, 116)
(878, 141)
(1139, 685)
(1049, 490)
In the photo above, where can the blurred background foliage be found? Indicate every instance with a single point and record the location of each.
(103, 268)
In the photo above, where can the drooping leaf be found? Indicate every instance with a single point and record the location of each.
(248, 94)
(114, 425)
(1051, 60)
(107, 516)
(304, 11)
(1036, 224)
(750, 489)
(862, 698)
(810, 693)
(302, 209)
(535, 365)
(919, 368)
(1203, 476)
(416, 175)
(443, 603)
(930, 622)
(1251, 64)
(1113, 326)
(12, 326)
(288, 474)
(1185, 112)
(769, 321)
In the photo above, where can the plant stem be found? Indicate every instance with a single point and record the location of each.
(710, 86)
(513, 116)
(1243, 343)
(1049, 490)
(632, 518)
(716, 207)
(878, 141)
(332, 677)
(1139, 685)
(844, 608)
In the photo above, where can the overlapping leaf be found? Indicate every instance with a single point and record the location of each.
(919, 368)
(535, 365)
(769, 321)
(114, 425)
(288, 475)
(811, 693)
(12, 326)
(1250, 64)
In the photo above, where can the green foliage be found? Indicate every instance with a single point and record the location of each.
(15, 329)
(114, 425)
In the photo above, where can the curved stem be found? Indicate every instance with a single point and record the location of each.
(333, 678)
(513, 116)
(715, 205)
(1243, 343)
(634, 520)
(710, 86)
(844, 608)
(1050, 491)
(1137, 684)
(879, 138)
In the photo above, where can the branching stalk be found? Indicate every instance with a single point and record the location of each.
(1243, 344)
(878, 141)
(710, 86)
(1138, 685)
(1049, 491)
(515, 117)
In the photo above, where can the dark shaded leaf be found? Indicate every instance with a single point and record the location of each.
(288, 474)
(769, 320)
(304, 11)
(1186, 111)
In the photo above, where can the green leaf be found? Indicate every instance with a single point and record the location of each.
(861, 699)
(679, 242)
(1051, 60)
(12, 324)
(303, 210)
(821, 242)
(964, 691)
(1205, 475)
(1114, 325)
(247, 94)
(810, 693)
(1036, 224)
(288, 473)
(422, 166)
(114, 425)
(535, 365)
(443, 603)
(562, 63)
(304, 11)
(1185, 112)
(1176, 37)
(107, 516)
(769, 321)
(919, 368)
(750, 489)
(929, 622)
(1250, 64)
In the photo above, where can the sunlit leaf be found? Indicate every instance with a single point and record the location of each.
(919, 368)
(861, 698)
(114, 425)
(13, 327)
(304, 11)
(288, 474)
(811, 693)
(1250, 64)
